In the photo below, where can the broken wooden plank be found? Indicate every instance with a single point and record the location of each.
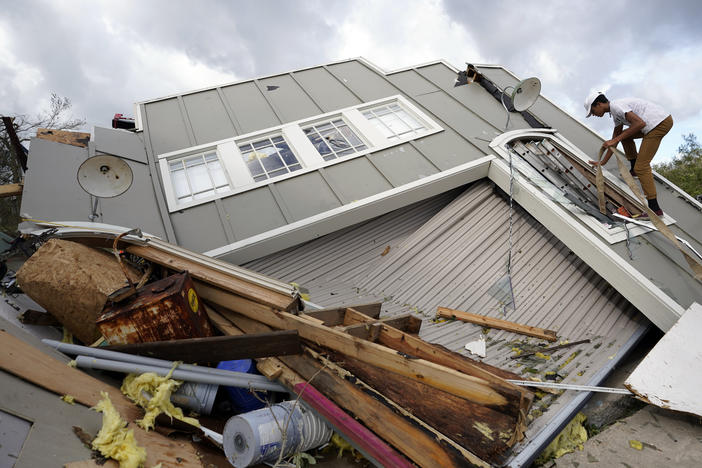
(218, 348)
(65, 137)
(469, 387)
(420, 443)
(29, 363)
(11, 190)
(216, 277)
(500, 324)
(488, 433)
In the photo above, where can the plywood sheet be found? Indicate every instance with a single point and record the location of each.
(669, 375)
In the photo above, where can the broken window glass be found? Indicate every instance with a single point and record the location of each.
(269, 157)
(334, 139)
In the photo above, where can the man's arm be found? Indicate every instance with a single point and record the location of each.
(617, 132)
(636, 125)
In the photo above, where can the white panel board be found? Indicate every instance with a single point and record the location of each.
(669, 375)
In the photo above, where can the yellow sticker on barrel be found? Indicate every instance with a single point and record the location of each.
(192, 299)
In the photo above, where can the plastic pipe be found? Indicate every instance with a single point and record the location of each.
(74, 349)
(235, 379)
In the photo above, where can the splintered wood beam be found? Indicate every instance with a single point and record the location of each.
(490, 322)
(519, 398)
(66, 137)
(487, 432)
(218, 348)
(10, 190)
(469, 387)
(29, 363)
(217, 278)
(422, 444)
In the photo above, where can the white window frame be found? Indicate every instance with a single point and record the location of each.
(611, 234)
(237, 172)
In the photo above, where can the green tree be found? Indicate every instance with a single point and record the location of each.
(685, 170)
(55, 117)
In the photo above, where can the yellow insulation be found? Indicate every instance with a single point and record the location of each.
(114, 439)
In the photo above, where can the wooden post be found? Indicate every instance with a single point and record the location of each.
(490, 322)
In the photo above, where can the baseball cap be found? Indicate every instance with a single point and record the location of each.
(589, 100)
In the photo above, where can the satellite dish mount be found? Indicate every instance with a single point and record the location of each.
(104, 176)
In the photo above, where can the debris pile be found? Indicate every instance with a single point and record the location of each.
(265, 379)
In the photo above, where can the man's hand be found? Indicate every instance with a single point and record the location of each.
(610, 143)
(596, 163)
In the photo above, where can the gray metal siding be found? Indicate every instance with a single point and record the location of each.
(253, 212)
(167, 127)
(289, 98)
(52, 192)
(306, 195)
(121, 143)
(208, 117)
(326, 90)
(362, 81)
(356, 179)
(199, 228)
(249, 107)
(402, 164)
(473, 96)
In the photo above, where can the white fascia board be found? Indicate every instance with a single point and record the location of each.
(351, 213)
(660, 308)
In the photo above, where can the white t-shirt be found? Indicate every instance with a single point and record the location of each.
(652, 114)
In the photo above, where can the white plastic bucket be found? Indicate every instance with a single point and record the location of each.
(255, 437)
(198, 397)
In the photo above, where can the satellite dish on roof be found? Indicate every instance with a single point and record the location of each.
(105, 176)
(526, 93)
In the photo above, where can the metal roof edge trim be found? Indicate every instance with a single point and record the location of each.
(539, 442)
(367, 208)
(660, 308)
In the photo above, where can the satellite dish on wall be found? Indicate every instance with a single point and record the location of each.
(525, 94)
(105, 176)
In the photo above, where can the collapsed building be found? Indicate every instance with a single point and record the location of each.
(363, 186)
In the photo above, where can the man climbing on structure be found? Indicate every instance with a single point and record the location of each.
(644, 120)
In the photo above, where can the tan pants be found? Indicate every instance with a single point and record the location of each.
(649, 146)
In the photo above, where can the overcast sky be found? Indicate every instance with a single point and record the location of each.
(106, 55)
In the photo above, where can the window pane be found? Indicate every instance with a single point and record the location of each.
(199, 179)
(180, 183)
(260, 178)
(245, 148)
(271, 163)
(190, 162)
(277, 139)
(255, 168)
(346, 152)
(286, 154)
(217, 173)
(211, 157)
(295, 167)
(204, 194)
(379, 111)
(318, 143)
(383, 128)
(350, 135)
(411, 121)
(395, 124)
(323, 127)
(175, 165)
(338, 122)
(261, 144)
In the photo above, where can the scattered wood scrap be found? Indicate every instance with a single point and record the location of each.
(218, 348)
(66, 137)
(29, 363)
(10, 190)
(490, 322)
